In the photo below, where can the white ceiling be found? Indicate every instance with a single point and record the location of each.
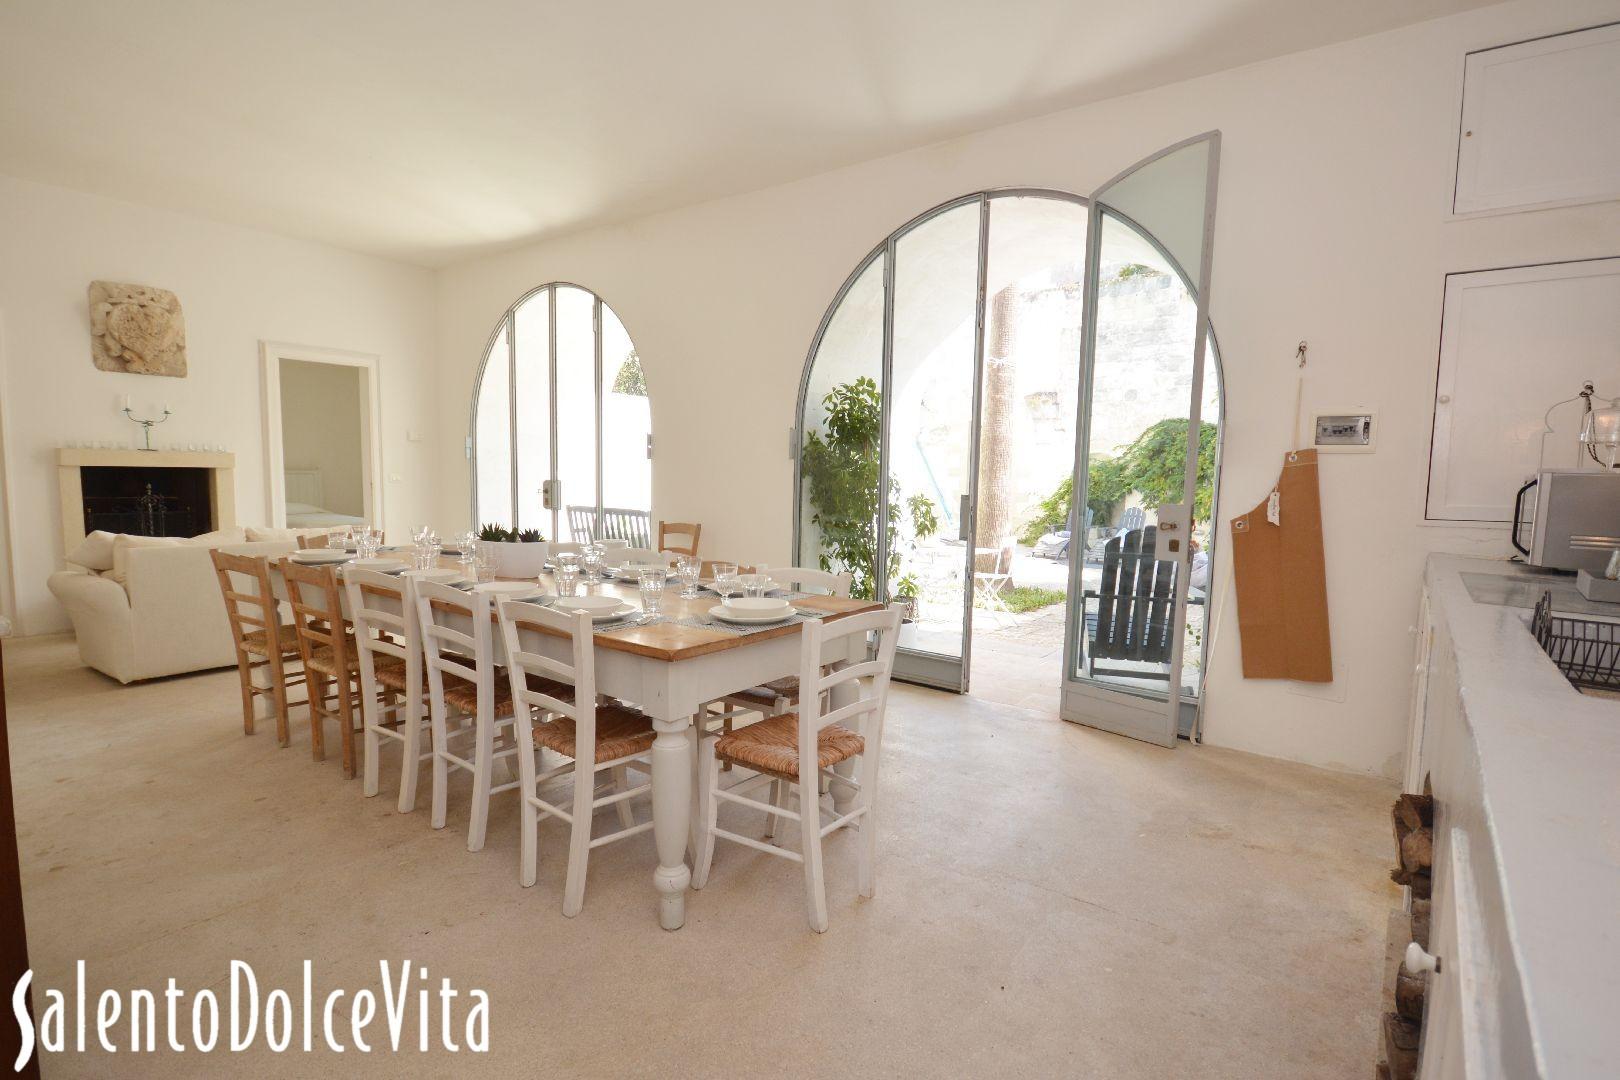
(429, 131)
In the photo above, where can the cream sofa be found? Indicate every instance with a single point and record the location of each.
(165, 618)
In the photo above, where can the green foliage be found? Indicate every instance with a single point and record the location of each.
(840, 464)
(1133, 270)
(630, 380)
(502, 534)
(1153, 466)
(1022, 598)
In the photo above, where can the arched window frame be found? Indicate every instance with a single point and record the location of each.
(507, 325)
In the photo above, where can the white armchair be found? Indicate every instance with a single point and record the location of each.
(168, 619)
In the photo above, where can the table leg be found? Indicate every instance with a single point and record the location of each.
(672, 821)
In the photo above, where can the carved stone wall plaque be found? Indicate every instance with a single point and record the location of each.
(137, 328)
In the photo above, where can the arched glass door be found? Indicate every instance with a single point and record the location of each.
(561, 424)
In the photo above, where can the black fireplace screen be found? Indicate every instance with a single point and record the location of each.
(146, 502)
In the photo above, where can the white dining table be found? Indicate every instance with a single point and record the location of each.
(671, 671)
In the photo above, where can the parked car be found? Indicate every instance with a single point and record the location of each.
(1052, 545)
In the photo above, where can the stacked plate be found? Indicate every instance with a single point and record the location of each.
(509, 590)
(753, 610)
(380, 566)
(321, 556)
(599, 608)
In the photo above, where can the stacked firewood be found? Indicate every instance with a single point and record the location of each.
(1414, 841)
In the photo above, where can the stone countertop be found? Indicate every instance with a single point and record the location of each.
(1549, 763)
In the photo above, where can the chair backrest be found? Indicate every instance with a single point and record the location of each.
(466, 653)
(619, 523)
(1135, 599)
(640, 556)
(317, 608)
(383, 611)
(524, 629)
(804, 579)
(690, 530)
(1134, 517)
(868, 678)
(582, 523)
(251, 610)
(305, 542)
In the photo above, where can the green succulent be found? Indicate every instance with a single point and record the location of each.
(530, 536)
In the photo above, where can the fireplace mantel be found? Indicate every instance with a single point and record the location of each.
(221, 470)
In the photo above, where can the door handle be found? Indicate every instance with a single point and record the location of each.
(964, 519)
(548, 493)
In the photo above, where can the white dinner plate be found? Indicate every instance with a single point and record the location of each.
(617, 612)
(508, 589)
(725, 613)
(380, 566)
(320, 556)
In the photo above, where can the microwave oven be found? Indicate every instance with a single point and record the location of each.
(1572, 520)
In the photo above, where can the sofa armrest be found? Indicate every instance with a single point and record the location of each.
(102, 620)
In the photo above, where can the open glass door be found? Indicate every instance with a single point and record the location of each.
(1131, 563)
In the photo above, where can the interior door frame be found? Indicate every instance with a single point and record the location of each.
(1132, 712)
(271, 354)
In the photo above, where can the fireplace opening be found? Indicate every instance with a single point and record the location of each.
(146, 501)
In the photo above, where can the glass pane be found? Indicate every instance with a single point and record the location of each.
(576, 407)
(936, 284)
(1140, 396)
(532, 322)
(839, 464)
(492, 436)
(1165, 199)
(626, 421)
(1035, 290)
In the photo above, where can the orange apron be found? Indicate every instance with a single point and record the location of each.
(1281, 578)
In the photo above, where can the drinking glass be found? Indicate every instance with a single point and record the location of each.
(688, 568)
(755, 584)
(652, 580)
(591, 562)
(484, 566)
(725, 578)
(340, 537)
(366, 541)
(567, 575)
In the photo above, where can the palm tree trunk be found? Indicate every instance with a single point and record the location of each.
(995, 517)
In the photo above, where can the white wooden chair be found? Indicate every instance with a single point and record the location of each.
(780, 695)
(388, 640)
(804, 579)
(462, 681)
(610, 736)
(800, 748)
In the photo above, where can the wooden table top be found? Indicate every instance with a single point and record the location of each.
(670, 642)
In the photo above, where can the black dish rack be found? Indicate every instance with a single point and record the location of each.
(1587, 651)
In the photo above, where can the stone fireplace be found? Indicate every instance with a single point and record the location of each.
(146, 492)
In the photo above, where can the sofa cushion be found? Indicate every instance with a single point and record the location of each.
(95, 552)
(256, 533)
(219, 537)
(120, 552)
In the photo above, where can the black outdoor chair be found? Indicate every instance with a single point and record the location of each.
(1135, 606)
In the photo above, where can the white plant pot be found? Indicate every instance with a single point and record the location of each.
(518, 560)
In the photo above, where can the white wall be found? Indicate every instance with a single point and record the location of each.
(1333, 226)
(237, 287)
(320, 429)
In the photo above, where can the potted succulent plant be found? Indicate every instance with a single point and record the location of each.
(516, 553)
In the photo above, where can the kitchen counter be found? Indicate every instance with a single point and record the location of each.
(1526, 774)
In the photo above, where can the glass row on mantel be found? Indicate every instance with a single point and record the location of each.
(171, 447)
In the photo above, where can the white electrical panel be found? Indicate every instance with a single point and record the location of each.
(1349, 431)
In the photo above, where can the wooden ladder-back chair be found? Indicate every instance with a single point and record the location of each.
(675, 529)
(800, 749)
(331, 664)
(459, 657)
(388, 643)
(558, 710)
(263, 642)
(306, 542)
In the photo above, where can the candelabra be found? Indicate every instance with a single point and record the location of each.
(147, 425)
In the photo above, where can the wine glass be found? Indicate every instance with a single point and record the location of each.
(591, 562)
(652, 580)
(725, 578)
(688, 568)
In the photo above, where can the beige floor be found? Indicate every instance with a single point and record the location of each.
(1051, 902)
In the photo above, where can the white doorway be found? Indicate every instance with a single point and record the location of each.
(323, 455)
